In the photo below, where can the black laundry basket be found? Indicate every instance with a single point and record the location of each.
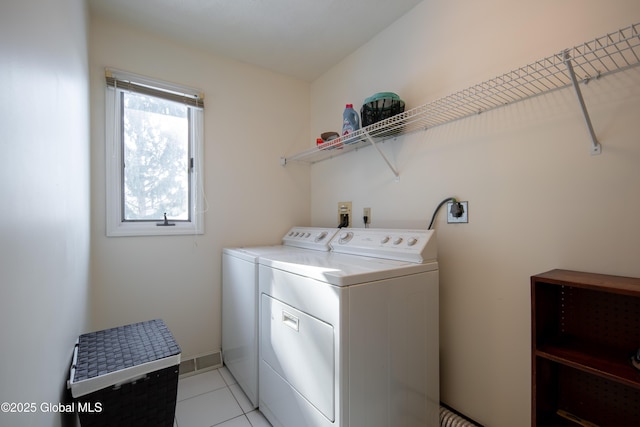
(126, 376)
(378, 107)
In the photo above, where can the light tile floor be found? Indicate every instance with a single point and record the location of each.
(214, 398)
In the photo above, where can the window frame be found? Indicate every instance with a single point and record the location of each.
(116, 226)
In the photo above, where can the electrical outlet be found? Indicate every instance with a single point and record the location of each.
(344, 214)
(366, 212)
(464, 218)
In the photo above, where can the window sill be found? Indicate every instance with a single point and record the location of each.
(124, 229)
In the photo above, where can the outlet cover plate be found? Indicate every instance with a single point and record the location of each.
(345, 208)
(461, 220)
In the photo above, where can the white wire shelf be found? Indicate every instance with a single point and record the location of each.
(604, 55)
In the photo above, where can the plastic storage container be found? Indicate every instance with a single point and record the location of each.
(126, 376)
(380, 106)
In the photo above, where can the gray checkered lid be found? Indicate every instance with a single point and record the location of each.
(115, 349)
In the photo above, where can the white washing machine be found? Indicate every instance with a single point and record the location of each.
(240, 300)
(350, 338)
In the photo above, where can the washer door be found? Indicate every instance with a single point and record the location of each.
(300, 349)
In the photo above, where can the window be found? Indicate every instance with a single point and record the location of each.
(154, 140)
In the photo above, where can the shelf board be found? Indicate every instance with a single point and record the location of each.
(609, 363)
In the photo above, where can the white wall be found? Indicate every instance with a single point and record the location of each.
(252, 117)
(44, 224)
(537, 199)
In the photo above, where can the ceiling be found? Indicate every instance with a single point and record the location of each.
(300, 38)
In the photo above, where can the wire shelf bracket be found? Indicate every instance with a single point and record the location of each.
(372, 142)
(596, 148)
(608, 54)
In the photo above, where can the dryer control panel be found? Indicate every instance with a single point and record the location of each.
(404, 245)
(317, 238)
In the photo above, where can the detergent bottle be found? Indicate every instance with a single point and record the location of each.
(350, 123)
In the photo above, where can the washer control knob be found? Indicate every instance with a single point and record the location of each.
(397, 241)
(385, 239)
(412, 241)
(345, 237)
(321, 236)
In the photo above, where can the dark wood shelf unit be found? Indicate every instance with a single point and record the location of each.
(585, 329)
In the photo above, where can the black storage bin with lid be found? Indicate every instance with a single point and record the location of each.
(126, 376)
(380, 106)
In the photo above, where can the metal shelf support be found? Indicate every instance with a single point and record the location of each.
(395, 172)
(596, 148)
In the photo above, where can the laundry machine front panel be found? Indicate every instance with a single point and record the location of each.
(300, 348)
(319, 299)
(284, 406)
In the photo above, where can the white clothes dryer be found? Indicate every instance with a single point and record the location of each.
(350, 338)
(240, 300)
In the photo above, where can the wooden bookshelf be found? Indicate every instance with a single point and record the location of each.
(585, 328)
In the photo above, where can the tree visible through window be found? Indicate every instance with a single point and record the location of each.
(156, 158)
